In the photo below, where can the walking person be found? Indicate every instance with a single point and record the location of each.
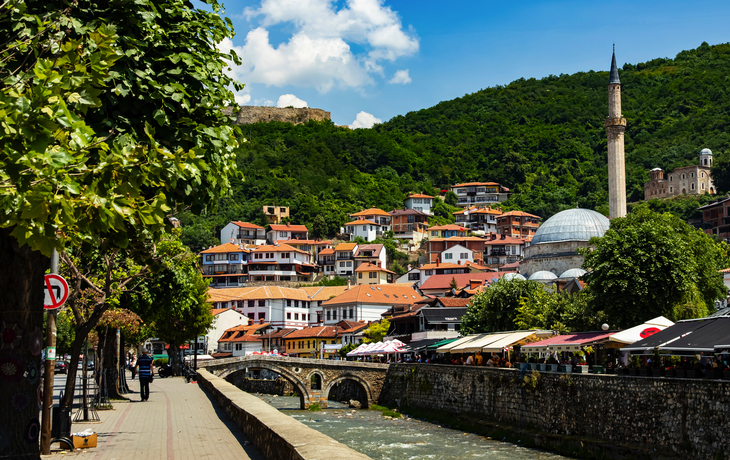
(133, 366)
(145, 372)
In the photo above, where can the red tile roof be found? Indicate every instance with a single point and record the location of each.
(376, 248)
(279, 248)
(453, 301)
(462, 280)
(371, 267)
(506, 240)
(520, 214)
(314, 332)
(419, 195)
(225, 247)
(247, 225)
(288, 228)
(466, 184)
(383, 294)
(370, 212)
(448, 227)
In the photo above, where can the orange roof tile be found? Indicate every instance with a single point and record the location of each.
(279, 248)
(361, 222)
(384, 294)
(371, 267)
(419, 195)
(345, 246)
(448, 227)
(434, 266)
(462, 279)
(313, 332)
(519, 213)
(458, 238)
(370, 212)
(466, 184)
(226, 247)
(308, 242)
(326, 251)
(288, 228)
(246, 225)
(317, 293)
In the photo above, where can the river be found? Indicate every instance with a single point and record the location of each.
(369, 432)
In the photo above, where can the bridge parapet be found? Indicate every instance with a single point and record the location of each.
(313, 378)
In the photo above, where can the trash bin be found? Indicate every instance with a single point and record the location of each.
(61, 422)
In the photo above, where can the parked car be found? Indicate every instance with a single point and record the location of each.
(61, 367)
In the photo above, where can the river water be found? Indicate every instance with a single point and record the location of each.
(368, 432)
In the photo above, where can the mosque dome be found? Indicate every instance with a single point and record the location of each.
(573, 273)
(705, 152)
(571, 225)
(513, 276)
(543, 276)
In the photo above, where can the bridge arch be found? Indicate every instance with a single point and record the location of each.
(305, 394)
(369, 399)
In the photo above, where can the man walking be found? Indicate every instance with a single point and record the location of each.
(145, 372)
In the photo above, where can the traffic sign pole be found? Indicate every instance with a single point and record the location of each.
(49, 370)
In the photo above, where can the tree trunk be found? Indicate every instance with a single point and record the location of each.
(111, 363)
(21, 342)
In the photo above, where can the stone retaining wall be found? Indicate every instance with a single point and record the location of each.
(680, 418)
(252, 114)
(275, 435)
(279, 387)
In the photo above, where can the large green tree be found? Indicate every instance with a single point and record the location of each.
(495, 308)
(557, 311)
(110, 117)
(650, 264)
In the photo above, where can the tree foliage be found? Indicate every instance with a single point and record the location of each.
(557, 311)
(495, 308)
(376, 331)
(650, 264)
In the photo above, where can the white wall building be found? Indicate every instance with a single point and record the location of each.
(419, 202)
(243, 233)
(457, 254)
(223, 319)
(363, 228)
(367, 302)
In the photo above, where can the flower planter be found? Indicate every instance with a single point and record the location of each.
(581, 369)
(542, 367)
(670, 373)
(598, 369)
(657, 372)
(644, 371)
(521, 365)
(679, 373)
(552, 367)
(566, 368)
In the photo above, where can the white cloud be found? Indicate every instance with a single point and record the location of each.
(242, 99)
(365, 120)
(287, 100)
(318, 53)
(401, 77)
(263, 102)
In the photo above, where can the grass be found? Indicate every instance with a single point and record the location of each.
(314, 407)
(386, 411)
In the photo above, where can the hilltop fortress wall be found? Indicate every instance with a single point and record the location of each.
(251, 114)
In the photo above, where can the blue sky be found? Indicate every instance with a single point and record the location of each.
(368, 60)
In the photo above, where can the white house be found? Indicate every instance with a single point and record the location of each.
(419, 202)
(367, 302)
(345, 259)
(457, 254)
(420, 275)
(286, 232)
(363, 228)
(371, 253)
(243, 233)
(243, 339)
(280, 262)
(223, 319)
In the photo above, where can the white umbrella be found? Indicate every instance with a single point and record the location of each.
(357, 350)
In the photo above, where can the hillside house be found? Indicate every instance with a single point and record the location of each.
(243, 233)
(286, 232)
(313, 247)
(364, 229)
(326, 261)
(446, 231)
(372, 273)
(419, 275)
(419, 202)
(280, 263)
(409, 224)
(225, 265)
(345, 259)
(478, 219)
(309, 342)
(502, 250)
(367, 302)
(275, 214)
(518, 224)
(716, 218)
(372, 253)
(242, 340)
(479, 193)
(436, 246)
(374, 215)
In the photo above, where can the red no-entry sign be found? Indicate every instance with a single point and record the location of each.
(56, 291)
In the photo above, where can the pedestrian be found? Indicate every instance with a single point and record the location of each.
(133, 366)
(146, 372)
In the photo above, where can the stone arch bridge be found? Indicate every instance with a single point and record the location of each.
(313, 378)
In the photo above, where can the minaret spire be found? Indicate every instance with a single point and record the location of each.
(615, 126)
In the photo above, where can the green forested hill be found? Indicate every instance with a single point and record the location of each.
(544, 139)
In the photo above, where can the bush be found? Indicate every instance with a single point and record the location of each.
(314, 407)
(160, 361)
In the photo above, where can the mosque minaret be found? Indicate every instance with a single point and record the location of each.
(615, 127)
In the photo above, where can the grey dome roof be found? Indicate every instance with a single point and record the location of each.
(573, 273)
(543, 276)
(571, 225)
(513, 276)
(705, 152)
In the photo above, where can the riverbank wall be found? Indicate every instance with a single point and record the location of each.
(276, 436)
(279, 387)
(580, 414)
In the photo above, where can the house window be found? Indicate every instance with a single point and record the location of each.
(209, 257)
(414, 276)
(288, 303)
(359, 275)
(448, 255)
(282, 234)
(703, 186)
(232, 256)
(692, 186)
(671, 189)
(684, 176)
(288, 316)
(342, 264)
(671, 178)
(351, 314)
(349, 263)
(296, 316)
(334, 315)
(262, 303)
(328, 315)
(262, 315)
(364, 228)
(373, 275)
(691, 174)
(239, 347)
(429, 272)
(284, 255)
(464, 255)
(514, 249)
(257, 255)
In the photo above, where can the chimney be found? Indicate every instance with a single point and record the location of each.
(288, 224)
(261, 321)
(348, 284)
(473, 284)
(250, 322)
(458, 262)
(438, 260)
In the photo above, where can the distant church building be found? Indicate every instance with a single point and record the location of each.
(689, 180)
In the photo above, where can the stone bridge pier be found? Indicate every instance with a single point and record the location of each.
(314, 379)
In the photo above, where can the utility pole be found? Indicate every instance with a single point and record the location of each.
(49, 366)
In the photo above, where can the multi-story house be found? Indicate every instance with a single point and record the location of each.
(286, 232)
(326, 261)
(275, 214)
(518, 224)
(364, 229)
(436, 246)
(351, 332)
(409, 224)
(372, 273)
(345, 259)
(223, 319)
(478, 219)
(280, 262)
(440, 285)
(367, 302)
(225, 265)
(242, 340)
(446, 231)
(371, 253)
(274, 341)
(716, 218)
(375, 215)
(313, 247)
(419, 202)
(310, 342)
(476, 193)
(501, 250)
(243, 233)
(420, 275)
(276, 305)
(318, 295)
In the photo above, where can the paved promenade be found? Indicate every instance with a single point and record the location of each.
(178, 422)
